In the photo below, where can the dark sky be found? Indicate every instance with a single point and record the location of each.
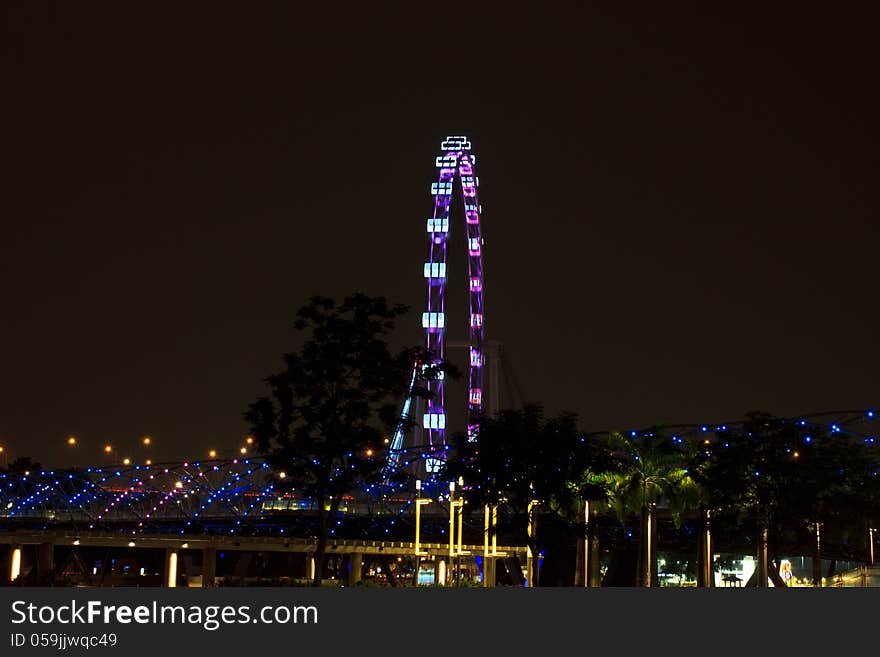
(680, 204)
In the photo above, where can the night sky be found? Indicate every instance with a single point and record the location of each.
(680, 205)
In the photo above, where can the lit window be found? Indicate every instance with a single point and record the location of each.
(438, 225)
(435, 270)
(434, 421)
(476, 285)
(476, 320)
(471, 212)
(441, 188)
(476, 396)
(456, 143)
(474, 246)
(446, 161)
(433, 320)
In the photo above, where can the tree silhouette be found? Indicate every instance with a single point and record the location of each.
(335, 404)
(523, 461)
(651, 466)
(22, 464)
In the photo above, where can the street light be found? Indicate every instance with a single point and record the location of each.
(71, 440)
(212, 454)
(419, 502)
(453, 505)
(147, 441)
(451, 525)
(490, 526)
(531, 530)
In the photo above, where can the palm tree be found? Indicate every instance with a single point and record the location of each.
(584, 495)
(652, 468)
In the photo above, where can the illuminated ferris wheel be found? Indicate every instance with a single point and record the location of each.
(456, 161)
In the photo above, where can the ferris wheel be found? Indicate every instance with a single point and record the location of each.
(455, 162)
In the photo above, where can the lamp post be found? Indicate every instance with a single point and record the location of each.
(871, 531)
(451, 525)
(460, 504)
(418, 553)
(490, 526)
(531, 530)
(586, 543)
(456, 506)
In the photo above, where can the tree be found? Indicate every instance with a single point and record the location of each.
(592, 469)
(22, 464)
(652, 466)
(751, 474)
(335, 403)
(521, 460)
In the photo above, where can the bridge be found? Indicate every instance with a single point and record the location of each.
(155, 515)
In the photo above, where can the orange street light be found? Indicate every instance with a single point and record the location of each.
(249, 440)
(147, 440)
(126, 461)
(212, 454)
(243, 450)
(71, 440)
(108, 449)
(149, 462)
